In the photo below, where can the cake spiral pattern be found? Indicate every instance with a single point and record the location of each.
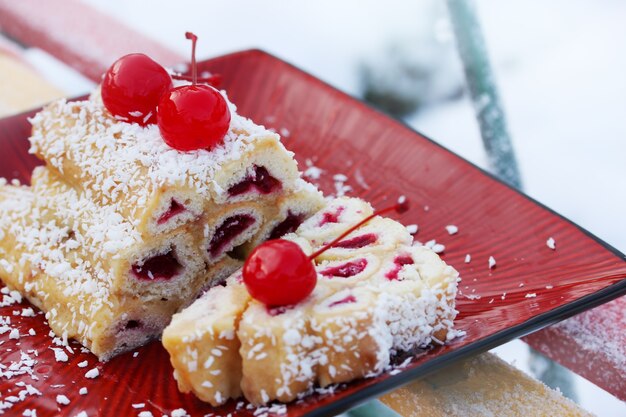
(371, 301)
(118, 231)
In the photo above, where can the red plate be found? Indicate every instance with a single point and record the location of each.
(531, 286)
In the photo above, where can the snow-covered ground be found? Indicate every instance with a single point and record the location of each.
(560, 67)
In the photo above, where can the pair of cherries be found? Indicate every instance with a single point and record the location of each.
(278, 273)
(137, 89)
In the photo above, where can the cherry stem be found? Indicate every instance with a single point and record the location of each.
(213, 79)
(401, 206)
(194, 39)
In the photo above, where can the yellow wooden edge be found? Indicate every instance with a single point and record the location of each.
(22, 88)
(483, 385)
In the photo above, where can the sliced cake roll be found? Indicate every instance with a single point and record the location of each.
(355, 338)
(40, 259)
(166, 268)
(368, 304)
(91, 272)
(155, 187)
(279, 351)
(203, 343)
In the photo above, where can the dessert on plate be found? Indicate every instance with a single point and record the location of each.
(119, 229)
(153, 193)
(375, 295)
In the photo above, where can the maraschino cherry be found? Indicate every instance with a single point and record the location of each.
(193, 116)
(132, 87)
(278, 273)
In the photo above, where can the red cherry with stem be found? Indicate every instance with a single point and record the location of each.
(279, 273)
(132, 87)
(193, 116)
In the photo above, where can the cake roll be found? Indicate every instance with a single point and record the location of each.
(74, 293)
(203, 346)
(165, 267)
(155, 187)
(91, 272)
(288, 212)
(279, 350)
(368, 305)
(354, 334)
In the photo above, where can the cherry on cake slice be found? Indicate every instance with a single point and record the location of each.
(361, 310)
(154, 186)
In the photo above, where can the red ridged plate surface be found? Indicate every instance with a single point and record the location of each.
(382, 159)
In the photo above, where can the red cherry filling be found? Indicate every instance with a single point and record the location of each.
(174, 209)
(331, 217)
(159, 267)
(260, 180)
(279, 273)
(358, 241)
(347, 270)
(132, 324)
(132, 87)
(277, 311)
(398, 262)
(229, 230)
(193, 116)
(349, 299)
(290, 224)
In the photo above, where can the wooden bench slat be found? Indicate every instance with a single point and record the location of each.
(77, 34)
(592, 344)
(483, 385)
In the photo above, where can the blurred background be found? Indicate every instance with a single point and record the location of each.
(560, 68)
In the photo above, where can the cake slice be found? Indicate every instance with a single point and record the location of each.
(155, 187)
(166, 267)
(75, 293)
(204, 343)
(353, 331)
(369, 303)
